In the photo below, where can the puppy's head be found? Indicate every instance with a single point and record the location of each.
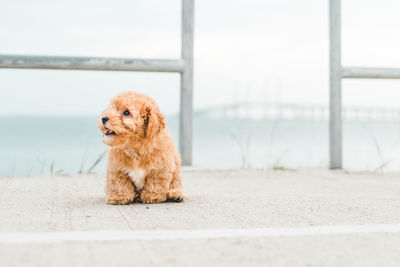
(130, 117)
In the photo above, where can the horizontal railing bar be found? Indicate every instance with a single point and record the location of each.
(91, 63)
(371, 73)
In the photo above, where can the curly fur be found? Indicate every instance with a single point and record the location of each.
(143, 164)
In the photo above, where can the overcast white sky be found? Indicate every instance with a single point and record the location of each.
(252, 50)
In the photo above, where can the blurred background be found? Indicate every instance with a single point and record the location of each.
(260, 88)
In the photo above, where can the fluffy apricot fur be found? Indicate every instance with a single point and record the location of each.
(143, 164)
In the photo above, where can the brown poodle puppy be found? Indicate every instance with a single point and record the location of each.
(143, 164)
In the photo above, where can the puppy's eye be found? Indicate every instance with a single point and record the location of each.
(127, 113)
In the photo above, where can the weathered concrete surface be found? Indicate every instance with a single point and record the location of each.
(217, 200)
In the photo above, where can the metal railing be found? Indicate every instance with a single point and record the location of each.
(184, 66)
(337, 73)
(289, 111)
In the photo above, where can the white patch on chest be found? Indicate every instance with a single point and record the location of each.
(137, 177)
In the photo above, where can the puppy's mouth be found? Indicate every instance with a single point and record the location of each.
(109, 132)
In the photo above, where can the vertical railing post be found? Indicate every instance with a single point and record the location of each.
(186, 98)
(335, 86)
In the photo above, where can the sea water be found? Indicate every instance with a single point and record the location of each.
(33, 145)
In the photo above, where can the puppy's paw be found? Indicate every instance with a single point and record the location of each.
(151, 197)
(120, 200)
(176, 195)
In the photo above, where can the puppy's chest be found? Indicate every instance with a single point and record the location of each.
(137, 176)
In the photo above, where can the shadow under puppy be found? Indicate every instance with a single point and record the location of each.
(143, 164)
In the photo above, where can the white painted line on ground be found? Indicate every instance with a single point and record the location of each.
(81, 236)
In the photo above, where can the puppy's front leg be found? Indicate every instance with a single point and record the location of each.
(119, 188)
(156, 187)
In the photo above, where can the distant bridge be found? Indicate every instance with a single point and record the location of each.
(297, 111)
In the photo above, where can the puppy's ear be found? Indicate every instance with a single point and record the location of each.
(153, 121)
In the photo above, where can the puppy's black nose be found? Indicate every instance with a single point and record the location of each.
(104, 119)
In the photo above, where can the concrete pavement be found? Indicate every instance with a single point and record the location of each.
(218, 200)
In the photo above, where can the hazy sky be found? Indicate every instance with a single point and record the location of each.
(252, 50)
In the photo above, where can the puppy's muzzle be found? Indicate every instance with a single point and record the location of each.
(108, 132)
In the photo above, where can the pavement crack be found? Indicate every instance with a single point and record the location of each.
(125, 218)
